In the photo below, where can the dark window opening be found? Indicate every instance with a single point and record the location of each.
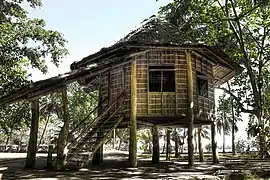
(161, 79)
(202, 85)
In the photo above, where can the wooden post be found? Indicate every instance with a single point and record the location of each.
(155, 155)
(49, 157)
(62, 140)
(200, 144)
(176, 145)
(214, 143)
(32, 144)
(98, 155)
(168, 146)
(133, 117)
(97, 158)
(190, 110)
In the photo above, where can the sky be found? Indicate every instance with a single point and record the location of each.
(89, 25)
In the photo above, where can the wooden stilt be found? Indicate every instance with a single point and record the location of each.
(190, 110)
(97, 158)
(155, 155)
(176, 145)
(133, 118)
(200, 144)
(32, 144)
(49, 157)
(62, 140)
(168, 146)
(214, 144)
(98, 155)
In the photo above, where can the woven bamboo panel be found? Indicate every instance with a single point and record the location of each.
(203, 105)
(155, 103)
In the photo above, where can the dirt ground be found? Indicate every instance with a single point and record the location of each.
(115, 167)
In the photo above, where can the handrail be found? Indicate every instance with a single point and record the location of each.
(97, 119)
(84, 119)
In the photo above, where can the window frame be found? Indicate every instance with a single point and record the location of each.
(203, 77)
(161, 68)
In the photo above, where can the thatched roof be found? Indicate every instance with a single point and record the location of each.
(152, 31)
(155, 31)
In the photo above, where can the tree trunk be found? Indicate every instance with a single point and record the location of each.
(32, 143)
(200, 144)
(168, 145)
(133, 117)
(233, 122)
(223, 146)
(114, 139)
(120, 143)
(190, 110)
(214, 144)
(62, 140)
(261, 138)
(44, 130)
(155, 155)
(195, 141)
(8, 137)
(176, 144)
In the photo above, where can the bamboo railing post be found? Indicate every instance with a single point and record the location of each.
(190, 110)
(32, 144)
(62, 140)
(214, 143)
(133, 117)
(155, 155)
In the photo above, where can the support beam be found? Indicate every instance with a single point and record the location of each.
(214, 144)
(49, 157)
(190, 110)
(200, 144)
(63, 136)
(32, 144)
(98, 155)
(168, 145)
(133, 117)
(155, 155)
(176, 143)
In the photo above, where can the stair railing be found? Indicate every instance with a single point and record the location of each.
(97, 119)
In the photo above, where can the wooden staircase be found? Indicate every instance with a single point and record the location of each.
(93, 135)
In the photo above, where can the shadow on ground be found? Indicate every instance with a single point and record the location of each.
(115, 167)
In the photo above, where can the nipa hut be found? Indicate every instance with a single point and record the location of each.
(153, 77)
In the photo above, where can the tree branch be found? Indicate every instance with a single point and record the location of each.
(239, 104)
(247, 63)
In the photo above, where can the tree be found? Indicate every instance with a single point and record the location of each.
(13, 117)
(224, 117)
(24, 44)
(241, 28)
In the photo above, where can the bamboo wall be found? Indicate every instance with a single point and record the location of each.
(160, 103)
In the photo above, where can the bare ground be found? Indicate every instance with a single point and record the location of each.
(115, 167)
